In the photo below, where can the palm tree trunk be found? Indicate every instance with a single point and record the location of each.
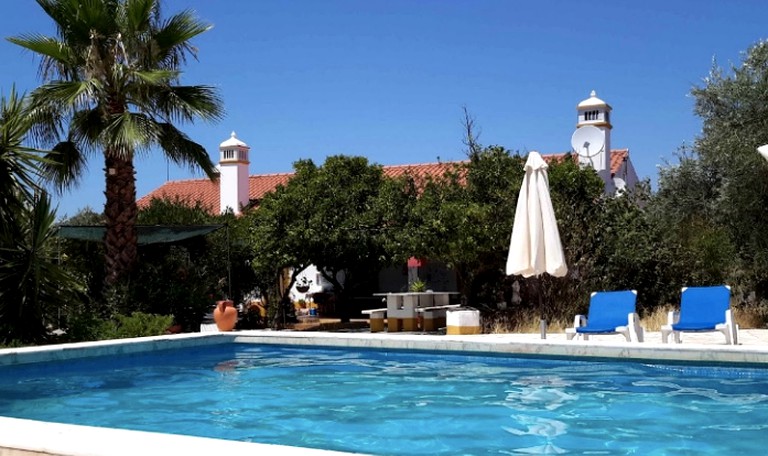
(120, 213)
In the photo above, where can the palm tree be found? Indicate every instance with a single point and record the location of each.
(20, 166)
(33, 283)
(111, 82)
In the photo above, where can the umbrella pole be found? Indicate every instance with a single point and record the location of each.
(543, 321)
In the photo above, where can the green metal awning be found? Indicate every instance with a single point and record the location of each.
(148, 234)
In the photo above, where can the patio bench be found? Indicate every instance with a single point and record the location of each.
(433, 317)
(376, 318)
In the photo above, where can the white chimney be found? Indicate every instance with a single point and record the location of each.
(596, 114)
(233, 177)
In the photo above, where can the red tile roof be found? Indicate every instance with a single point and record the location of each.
(420, 170)
(618, 157)
(206, 192)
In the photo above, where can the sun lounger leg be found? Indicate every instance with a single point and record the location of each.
(578, 322)
(635, 332)
(732, 327)
(672, 318)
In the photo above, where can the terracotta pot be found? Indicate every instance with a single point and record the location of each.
(225, 315)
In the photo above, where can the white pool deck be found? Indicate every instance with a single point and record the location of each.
(25, 437)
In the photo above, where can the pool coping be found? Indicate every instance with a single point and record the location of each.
(22, 437)
(528, 345)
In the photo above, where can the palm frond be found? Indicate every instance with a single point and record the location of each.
(65, 165)
(75, 94)
(85, 128)
(47, 124)
(157, 77)
(183, 151)
(186, 103)
(138, 14)
(20, 166)
(173, 37)
(70, 25)
(128, 133)
(48, 47)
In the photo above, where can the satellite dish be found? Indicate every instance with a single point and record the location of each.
(588, 141)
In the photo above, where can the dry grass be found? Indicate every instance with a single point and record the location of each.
(529, 323)
(655, 320)
(750, 317)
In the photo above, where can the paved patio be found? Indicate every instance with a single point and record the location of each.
(746, 337)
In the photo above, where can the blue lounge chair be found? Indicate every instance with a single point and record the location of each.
(610, 312)
(703, 309)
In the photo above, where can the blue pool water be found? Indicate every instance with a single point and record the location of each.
(403, 403)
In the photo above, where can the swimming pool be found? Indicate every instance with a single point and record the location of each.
(392, 402)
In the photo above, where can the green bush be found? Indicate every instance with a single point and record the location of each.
(140, 324)
(85, 326)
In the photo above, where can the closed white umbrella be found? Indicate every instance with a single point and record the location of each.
(535, 246)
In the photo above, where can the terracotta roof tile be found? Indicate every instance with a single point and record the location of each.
(419, 170)
(618, 157)
(207, 192)
(260, 184)
(190, 191)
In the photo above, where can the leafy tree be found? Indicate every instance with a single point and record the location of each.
(111, 82)
(577, 198)
(85, 259)
(343, 222)
(635, 251)
(726, 176)
(330, 216)
(685, 211)
(280, 231)
(394, 206)
(183, 278)
(464, 218)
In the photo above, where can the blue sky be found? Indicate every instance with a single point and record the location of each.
(387, 79)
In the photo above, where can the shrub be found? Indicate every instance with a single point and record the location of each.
(417, 286)
(85, 326)
(139, 324)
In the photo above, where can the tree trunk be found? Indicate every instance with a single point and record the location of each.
(120, 212)
(339, 293)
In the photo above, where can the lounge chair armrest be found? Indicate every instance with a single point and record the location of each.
(579, 321)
